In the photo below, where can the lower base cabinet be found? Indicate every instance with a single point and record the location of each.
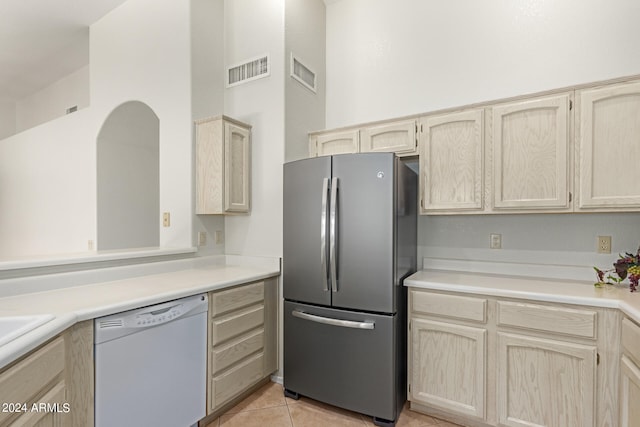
(629, 393)
(242, 341)
(36, 381)
(487, 361)
(630, 375)
(448, 366)
(51, 386)
(543, 382)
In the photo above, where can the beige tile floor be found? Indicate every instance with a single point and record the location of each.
(268, 407)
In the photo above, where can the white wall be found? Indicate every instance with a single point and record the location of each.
(47, 187)
(391, 58)
(139, 51)
(207, 94)
(253, 28)
(52, 101)
(7, 117)
(304, 109)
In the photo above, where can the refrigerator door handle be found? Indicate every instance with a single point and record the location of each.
(334, 322)
(323, 235)
(333, 234)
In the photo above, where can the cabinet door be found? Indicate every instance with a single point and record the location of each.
(451, 163)
(609, 147)
(398, 137)
(237, 165)
(545, 382)
(52, 415)
(338, 143)
(448, 366)
(629, 393)
(530, 154)
(209, 166)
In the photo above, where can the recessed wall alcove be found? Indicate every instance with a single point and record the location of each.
(128, 178)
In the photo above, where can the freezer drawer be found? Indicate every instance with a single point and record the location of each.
(344, 358)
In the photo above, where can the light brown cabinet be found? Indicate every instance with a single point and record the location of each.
(337, 142)
(223, 166)
(545, 351)
(242, 340)
(482, 360)
(452, 162)
(52, 385)
(447, 352)
(525, 164)
(608, 145)
(36, 379)
(630, 375)
(530, 153)
(398, 137)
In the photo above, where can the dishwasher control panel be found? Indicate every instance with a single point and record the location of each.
(128, 322)
(159, 316)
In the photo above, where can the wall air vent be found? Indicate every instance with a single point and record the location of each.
(303, 74)
(253, 69)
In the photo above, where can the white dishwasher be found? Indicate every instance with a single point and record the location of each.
(150, 365)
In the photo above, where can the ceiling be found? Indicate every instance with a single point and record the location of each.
(42, 41)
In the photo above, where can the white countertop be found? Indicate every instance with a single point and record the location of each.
(538, 289)
(77, 303)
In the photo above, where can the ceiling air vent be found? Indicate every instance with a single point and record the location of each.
(303, 74)
(251, 70)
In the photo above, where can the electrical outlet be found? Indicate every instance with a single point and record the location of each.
(166, 219)
(604, 245)
(202, 238)
(219, 237)
(495, 241)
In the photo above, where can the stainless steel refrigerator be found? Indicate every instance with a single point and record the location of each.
(349, 241)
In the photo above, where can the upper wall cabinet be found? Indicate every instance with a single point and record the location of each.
(327, 144)
(530, 154)
(608, 145)
(397, 137)
(451, 161)
(223, 166)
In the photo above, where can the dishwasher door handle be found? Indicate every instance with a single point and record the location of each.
(334, 322)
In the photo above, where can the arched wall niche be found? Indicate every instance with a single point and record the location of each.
(128, 178)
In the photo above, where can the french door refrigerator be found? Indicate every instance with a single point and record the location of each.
(349, 241)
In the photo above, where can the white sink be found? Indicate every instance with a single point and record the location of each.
(12, 327)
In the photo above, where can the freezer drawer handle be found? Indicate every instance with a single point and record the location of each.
(333, 322)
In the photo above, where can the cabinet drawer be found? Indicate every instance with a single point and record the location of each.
(236, 350)
(453, 306)
(228, 385)
(631, 340)
(234, 324)
(235, 298)
(27, 378)
(561, 320)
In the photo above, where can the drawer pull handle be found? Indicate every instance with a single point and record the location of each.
(334, 322)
